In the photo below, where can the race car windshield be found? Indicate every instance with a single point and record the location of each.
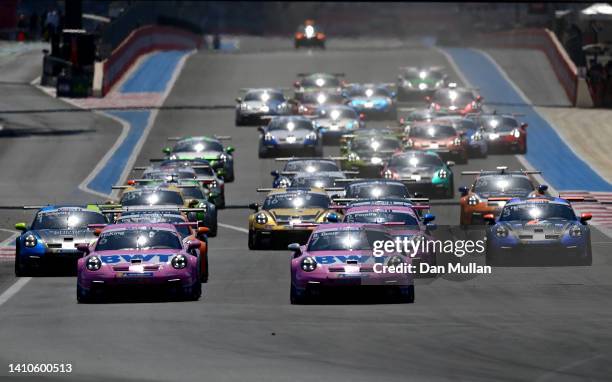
(312, 182)
(377, 191)
(264, 96)
(322, 98)
(67, 219)
(537, 211)
(460, 124)
(311, 166)
(198, 146)
(138, 239)
(320, 81)
(193, 193)
(376, 144)
(422, 75)
(296, 201)
(337, 113)
(432, 132)
(503, 185)
(290, 125)
(345, 240)
(379, 217)
(494, 124)
(415, 161)
(453, 97)
(169, 175)
(155, 217)
(152, 198)
(368, 92)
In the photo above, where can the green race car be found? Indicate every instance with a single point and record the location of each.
(208, 148)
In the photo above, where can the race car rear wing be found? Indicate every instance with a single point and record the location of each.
(287, 159)
(349, 200)
(411, 180)
(501, 170)
(292, 173)
(269, 189)
(161, 209)
(217, 137)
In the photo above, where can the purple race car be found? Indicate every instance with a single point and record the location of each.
(133, 256)
(342, 256)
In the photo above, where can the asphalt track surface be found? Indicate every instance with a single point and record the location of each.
(544, 324)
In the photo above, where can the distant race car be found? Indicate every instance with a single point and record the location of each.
(340, 257)
(492, 189)
(52, 238)
(290, 134)
(309, 35)
(139, 256)
(423, 172)
(454, 101)
(367, 132)
(304, 167)
(445, 140)
(334, 120)
(407, 117)
(311, 100)
(374, 189)
(532, 229)
(372, 100)
(478, 146)
(322, 82)
(202, 147)
(503, 133)
(259, 103)
(368, 155)
(282, 214)
(415, 83)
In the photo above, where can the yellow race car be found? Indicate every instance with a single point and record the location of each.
(287, 215)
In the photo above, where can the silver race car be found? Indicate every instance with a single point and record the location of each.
(294, 133)
(258, 103)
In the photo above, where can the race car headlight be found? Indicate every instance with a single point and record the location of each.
(353, 157)
(179, 261)
(309, 264)
(407, 83)
(302, 109)
(261, 218)
(501, 232)
(388, 174)
(442, 174)
(409, 143)
(213, 184)
(422, 86)
(575, 231)
(457, 141)
(244, 106)
(516, 133)
(223, 158)
(30, 241)
(473, 200)
(376, 160)
(268, 137)
(284, 183)
(265, 108)
(477, 137)
(312, 136)
(93, 263)
(394, 261)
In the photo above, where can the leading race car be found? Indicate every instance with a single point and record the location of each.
(503, 133)
(52, 238)
(372, 100)
(492, 189)
(291, 134)
(309, 35)
(282, 214)
(340, 256)
(455, 101)
(532, 230)
(260, 103)
(368, 155)
(144, 256)
(449, 143)
(209, 148)
(423, 172)
(414, 83)
(333, 121)
(323, 82)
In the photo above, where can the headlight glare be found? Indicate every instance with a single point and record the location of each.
(179, 261)
(501, 232)
(30, 241)
(308, 264)
(93, 263)
(261, 218)
(473, 200)
(575, 231)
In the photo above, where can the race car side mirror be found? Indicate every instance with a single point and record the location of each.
(428, 99)
(167, 150)
(194, 244)
(274, 173)
(524, 125)
(238, 99)
(21, 226)
(296, 84)
(542, 188)
(585, 217)
(463, 190)
(332, 218)
(428, 218)
(479, 99)
(254, 206)
(230, 149)
(295, 248)
(203, 230)
(84, 248)
(489, 218)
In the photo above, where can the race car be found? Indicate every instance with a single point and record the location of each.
(139, 256)
(259, 103)
(309, 35)
(541, 228)
(311, 100)
(208, 148)
(415, 83)
(372, 100)
(290, 134)
(454, 101)
(492, 189)
(368, 155)
(51, 240)
(373, 189)
(322, 82)
(407, 117)
(334, 120)
(178, 216)
(340, 257)
(283, 211)
(423, 172)
(449, 143)
(306, 166)
(503, 133)
(477, 145)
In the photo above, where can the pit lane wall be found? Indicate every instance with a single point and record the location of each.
(546, 41)
(140, 42)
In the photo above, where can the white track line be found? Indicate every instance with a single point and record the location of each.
(13, 289)
(239, 229)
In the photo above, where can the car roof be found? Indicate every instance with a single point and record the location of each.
(297, 190)
(131, 226)
(348, 227)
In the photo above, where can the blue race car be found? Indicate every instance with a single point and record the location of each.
(53, 237)
(477, 144)
(290, 134)
(535, 229)
(372, 100)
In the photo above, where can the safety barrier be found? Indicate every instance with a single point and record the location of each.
(141, 41)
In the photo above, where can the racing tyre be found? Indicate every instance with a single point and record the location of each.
(297, 298)
(21, 269)
(193, 292)
(204, 274)
(587, 260)
(83, 296)
(263, 152)
(254, 240)
(230, 175)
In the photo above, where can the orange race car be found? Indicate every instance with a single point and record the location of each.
(309, 35)
(492, 189)
(445, 140)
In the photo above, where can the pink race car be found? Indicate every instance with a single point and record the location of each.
(133, 256)
(342, 256)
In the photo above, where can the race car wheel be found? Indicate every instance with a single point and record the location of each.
(21, 268)
(254, 240)
(587, 260)
(297, 298)
(204, 273)
(406, 295)
(84, 296)
(263, 151)
(230, 175)
(221, 201)
(193, 292)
